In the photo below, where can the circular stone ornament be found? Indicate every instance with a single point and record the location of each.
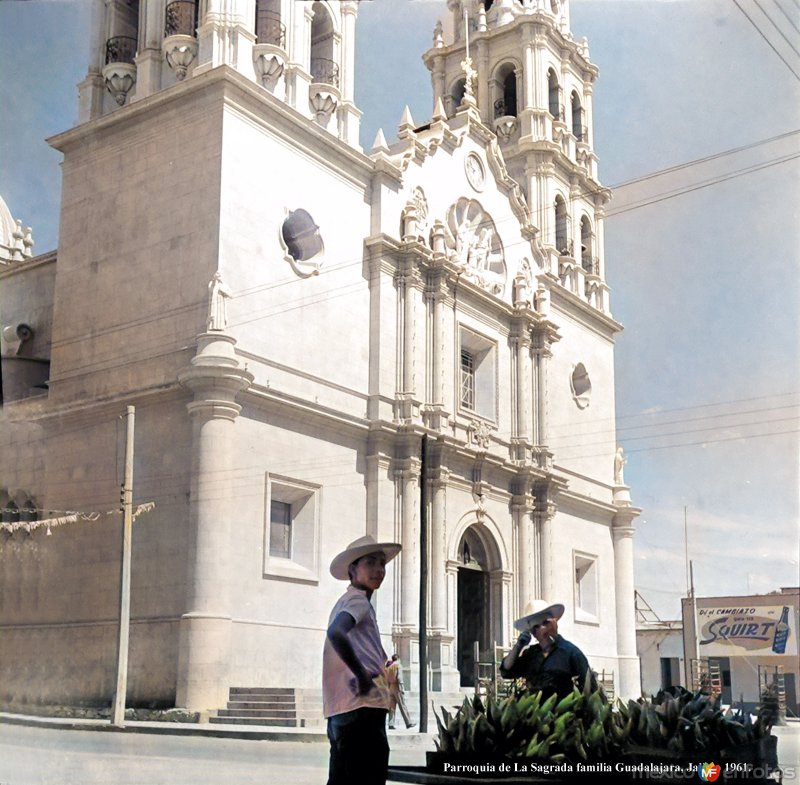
(476, 174)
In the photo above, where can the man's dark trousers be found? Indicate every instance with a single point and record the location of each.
(359, 748)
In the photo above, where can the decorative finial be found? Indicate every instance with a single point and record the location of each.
(407, 120)
(380, 145)
(439, 115)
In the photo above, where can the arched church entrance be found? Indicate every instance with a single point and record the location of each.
(478, 610)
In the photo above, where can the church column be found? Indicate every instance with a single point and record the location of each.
(521, 406)
(349, 116)
(149, 58)
(484, 84)
(434, 414)
(406, 632)
(408, 476)
(622, 530)
(226, 36)
(542, 354)
(527, 95)
(544, 584)
(525, 525)
(298, 75)
(92, 88)
(406, 280)
(440, 638)
(204, 648)
(438, 538)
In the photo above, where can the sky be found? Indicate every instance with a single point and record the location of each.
(703, 260)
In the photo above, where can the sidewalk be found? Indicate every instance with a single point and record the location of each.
(398, 739)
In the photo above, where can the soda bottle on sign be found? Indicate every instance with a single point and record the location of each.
(781, 632)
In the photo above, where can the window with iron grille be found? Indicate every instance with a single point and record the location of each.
(477, 374)
(467, 379)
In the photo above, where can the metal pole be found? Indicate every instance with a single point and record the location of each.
(694, 615)
(686, 546)
(118, 717)
(423, 588)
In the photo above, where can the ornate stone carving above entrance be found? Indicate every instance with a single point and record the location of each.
(473, 244)
(479, 435)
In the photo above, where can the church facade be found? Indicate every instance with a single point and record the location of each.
(292, 316)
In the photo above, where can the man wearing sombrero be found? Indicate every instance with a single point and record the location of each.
(551, 664)
(353, 703)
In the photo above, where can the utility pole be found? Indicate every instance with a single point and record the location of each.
(423, 588)
(118, 716)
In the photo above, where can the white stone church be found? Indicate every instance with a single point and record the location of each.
(290, 314)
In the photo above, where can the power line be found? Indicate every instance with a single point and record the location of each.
(698, 161)
(769, 43)
(788, 18)
(772, 22)
(700, 186)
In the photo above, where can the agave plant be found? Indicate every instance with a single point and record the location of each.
(580, 726)
(678, 720)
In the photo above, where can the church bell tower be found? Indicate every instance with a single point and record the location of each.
(301, 52)
(533, 88)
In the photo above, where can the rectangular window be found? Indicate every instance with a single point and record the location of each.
(477, 374)
(280, 529)
(586, 588)
(291, 529)
(467, 379)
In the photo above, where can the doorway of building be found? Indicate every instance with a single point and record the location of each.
(473, 605)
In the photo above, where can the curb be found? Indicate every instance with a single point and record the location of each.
(398, 739)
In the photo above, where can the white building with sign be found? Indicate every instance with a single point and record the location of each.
(752, 640)
(290, 315)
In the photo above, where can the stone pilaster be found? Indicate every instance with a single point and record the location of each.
(215, 378)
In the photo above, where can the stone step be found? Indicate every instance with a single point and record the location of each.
(264, 705)
(287, 714)
(253, 721)
(275, 691)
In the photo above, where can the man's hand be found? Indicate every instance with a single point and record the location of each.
(524, 639)
(362, 684)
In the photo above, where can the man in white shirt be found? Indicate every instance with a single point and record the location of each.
(353, 656)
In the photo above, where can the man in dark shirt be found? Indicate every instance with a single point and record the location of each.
(551, 664)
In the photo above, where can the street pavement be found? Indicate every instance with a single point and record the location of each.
(35, 754)
(53, 756)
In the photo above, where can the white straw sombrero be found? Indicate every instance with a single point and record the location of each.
(536, 612)
(358, 548)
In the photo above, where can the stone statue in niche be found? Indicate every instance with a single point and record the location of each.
(619, 461)
(542, 300)
(218, 294)
(415, 217)
(522, 285)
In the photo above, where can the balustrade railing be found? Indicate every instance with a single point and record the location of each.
(591, 265)
(120, 49)
(180, 18)
(269, 29)
(324, 71)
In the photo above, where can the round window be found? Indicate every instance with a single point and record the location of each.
(581, 385)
